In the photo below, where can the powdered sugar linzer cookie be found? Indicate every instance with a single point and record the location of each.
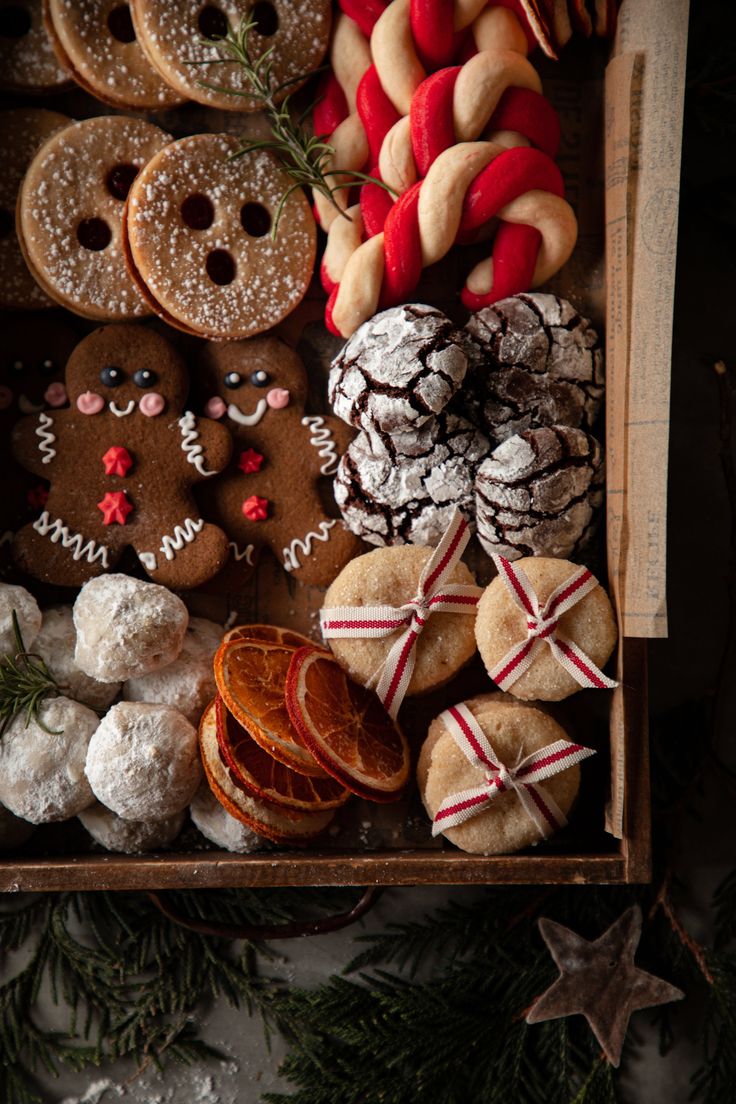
(171, 33)
(398, 369)
(95, 41)
(198, 240)
(70, 214)
(27, 61)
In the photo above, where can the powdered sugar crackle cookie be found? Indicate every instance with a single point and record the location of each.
(198, 238)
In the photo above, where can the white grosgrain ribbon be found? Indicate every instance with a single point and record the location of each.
(523, 779)
(434, 595)
(541, 625)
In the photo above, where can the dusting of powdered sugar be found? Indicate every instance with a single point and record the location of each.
(216, 824)
(20, 600)
(129, 837)
(29, 61)
(55, 644)
(189, 682)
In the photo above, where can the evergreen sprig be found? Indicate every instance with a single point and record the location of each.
(25, 681)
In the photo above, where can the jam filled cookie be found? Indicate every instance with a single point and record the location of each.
(198, 240)
(70, 211)
(23, 131)
(95, 41)
(121, 463)
(27, 61)
(269, 498)
(171, 34)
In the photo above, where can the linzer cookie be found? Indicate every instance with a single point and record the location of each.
(70, 211)
(539, 494)
(27, 61)
(267, 499)
(23, 131)
(171, 34)
(544, 628)
(121, 462)
(95, 41)
(198, 241)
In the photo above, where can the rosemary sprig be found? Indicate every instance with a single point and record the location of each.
(304, 155)
(25, 681)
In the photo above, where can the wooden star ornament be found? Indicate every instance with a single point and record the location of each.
(599, 980)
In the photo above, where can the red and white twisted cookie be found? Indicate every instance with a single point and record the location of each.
(466, 186)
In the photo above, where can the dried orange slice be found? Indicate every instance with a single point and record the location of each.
(345, 727)
(251, 680)
(276, 824)
(274, 634)
(265, 777)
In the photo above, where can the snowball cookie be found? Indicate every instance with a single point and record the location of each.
(13, 831)
(42, 773)
(130, 837)
(390, 576)
(55, 644)
(143, 762)
(500, 624)
(189, 682)
(216, 824)
(29, 617)
(514, 730)
(126, 627)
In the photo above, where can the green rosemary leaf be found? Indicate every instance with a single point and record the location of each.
(25, 681)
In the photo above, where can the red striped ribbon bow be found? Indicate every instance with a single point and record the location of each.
(523, 779)
(542, 628)
(434, 595)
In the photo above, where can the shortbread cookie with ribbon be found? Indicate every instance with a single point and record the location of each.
(106, 458)
(544, 628)
(398, 370)
(402, 619)
(27, 61)
(95, 41)
(198, 238)
(129, 837)
(539, 493)
(496, 776)
(536, 362)
(269, 497)
(70, 211)
(405, 487)
(172, 34)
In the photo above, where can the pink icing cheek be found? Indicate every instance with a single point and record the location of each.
(215, 407)
(6, 398)
(90, 403)
(55, 394)
(152, 404)
(277, 398)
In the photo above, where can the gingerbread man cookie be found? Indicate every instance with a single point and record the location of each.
(121, 462)
(270, 497)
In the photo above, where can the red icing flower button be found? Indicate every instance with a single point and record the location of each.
(38, 497)
(117, 461)
(255, 508)
(115, 508)
(250, 461)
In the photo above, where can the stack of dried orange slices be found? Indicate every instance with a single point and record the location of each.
(290, 737)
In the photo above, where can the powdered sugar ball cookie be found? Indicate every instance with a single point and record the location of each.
(27, 61)
(198, 241)
(13, 830)
(131, 837)
(216, 824)
(95, 41)
(70, 214)
(189, 682)
(406, 490)
(55, 644)
(126, 627)
(514, 732)
(390, 576)
(398, 369)
(143, 761)
(500, 624)
(17, 599)
(42, 772)
(171, 34)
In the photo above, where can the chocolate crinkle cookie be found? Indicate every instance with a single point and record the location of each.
(406, 491)
(539, 492)
(398, 370)
(534, 362)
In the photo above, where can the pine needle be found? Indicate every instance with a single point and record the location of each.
(25, 681)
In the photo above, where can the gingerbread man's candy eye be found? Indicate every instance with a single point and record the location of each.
(233, 380)
(47, 367)
(260, 378)
(144, 377)
(112, 377)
